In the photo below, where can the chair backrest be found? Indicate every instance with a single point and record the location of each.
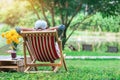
(41, 44)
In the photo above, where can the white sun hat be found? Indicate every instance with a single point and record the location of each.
(40, 24)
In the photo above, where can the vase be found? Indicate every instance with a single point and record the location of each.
(13, 54)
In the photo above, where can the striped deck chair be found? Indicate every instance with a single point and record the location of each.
(41, 48)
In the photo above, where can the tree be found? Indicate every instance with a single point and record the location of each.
(12, 11)
(66, 10)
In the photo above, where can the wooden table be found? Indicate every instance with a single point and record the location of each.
(7, 63)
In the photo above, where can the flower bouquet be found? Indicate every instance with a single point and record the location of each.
(12, 38)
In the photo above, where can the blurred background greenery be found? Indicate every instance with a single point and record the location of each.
(82, 18)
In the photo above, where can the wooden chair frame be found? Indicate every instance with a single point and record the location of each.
(33, 62)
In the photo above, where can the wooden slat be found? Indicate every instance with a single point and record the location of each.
(39, 71)
(8, 66)
(51, 64)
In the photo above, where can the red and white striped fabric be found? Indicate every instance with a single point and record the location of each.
(42, 47)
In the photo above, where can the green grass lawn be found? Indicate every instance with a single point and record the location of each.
(90, 53)
(77, 70)
(78, 53)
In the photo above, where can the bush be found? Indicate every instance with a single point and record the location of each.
(28, 20)
(4, 28)
(11, 12)
(100, 23)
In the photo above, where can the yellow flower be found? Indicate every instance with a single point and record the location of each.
(8, 36)
(11, 36)
(17, 41)
(3, 35)
(13, 32)
(8, 41)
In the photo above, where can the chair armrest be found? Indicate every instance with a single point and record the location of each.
(59, 40)
(60, 44)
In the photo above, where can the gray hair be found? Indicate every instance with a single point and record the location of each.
(40, 24)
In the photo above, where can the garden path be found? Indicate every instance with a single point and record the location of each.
(77, 57)
(92, 57)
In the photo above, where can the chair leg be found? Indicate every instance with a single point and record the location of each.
(64, 65)
(27, 68)
(56, 68)
(36, 68)
(53, 67)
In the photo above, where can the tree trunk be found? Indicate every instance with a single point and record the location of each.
(64, 39)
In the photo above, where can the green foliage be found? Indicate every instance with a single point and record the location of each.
(12, 11)
(98, 23)
(106, 7)
(4, 28)
(55, 12)
(28, 20)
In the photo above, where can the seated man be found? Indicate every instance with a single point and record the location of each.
(42, 25)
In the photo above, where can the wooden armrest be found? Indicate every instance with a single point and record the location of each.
(59, 39)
